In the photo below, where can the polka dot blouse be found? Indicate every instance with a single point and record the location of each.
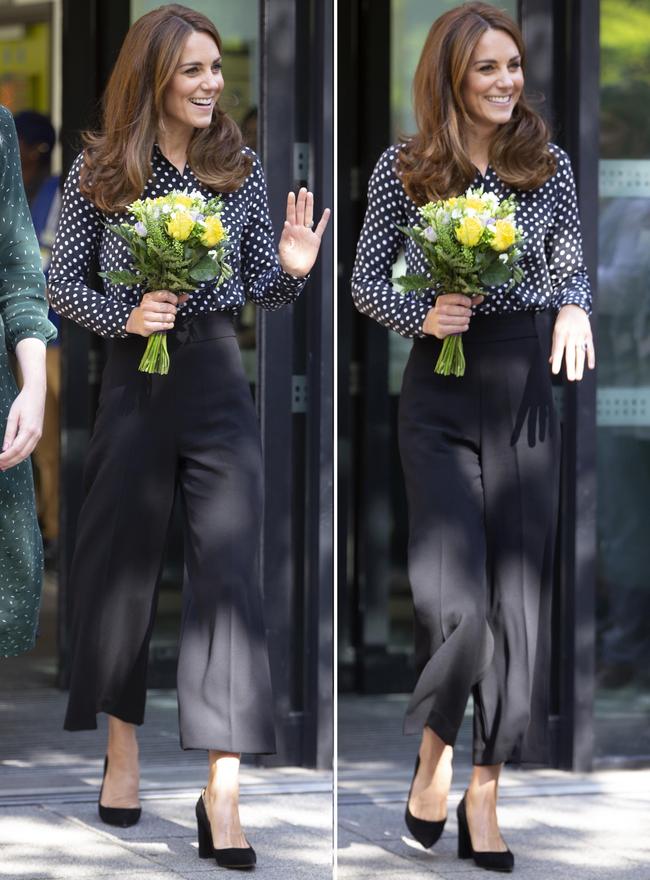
(82, 235)
(555, 274)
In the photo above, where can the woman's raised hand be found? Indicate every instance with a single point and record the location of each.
(573, 342)
(299, 243)
(156, 313)
(450, 314)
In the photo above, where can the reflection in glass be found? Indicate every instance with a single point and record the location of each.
(623, 597)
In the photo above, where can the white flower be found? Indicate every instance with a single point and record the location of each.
(430, 234)
(503, 258)
(166, 209)
(141, 229)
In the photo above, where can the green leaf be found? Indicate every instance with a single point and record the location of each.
(121, 276)
(205, 270)
(194, 253)
(495, 275)
(413, 282)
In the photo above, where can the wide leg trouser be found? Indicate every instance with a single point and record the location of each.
(194, 431)
(480, 456)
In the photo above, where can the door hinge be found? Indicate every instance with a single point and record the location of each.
(299, 394)
(301, 162)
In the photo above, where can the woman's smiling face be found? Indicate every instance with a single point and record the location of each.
(193, 91)
(494, 80)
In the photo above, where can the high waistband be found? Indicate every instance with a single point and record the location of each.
(198, 328)
(498, 328)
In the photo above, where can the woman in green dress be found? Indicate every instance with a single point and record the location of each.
(24, 329)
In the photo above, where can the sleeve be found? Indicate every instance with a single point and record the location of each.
(379, 245)
(23, 306)
(265, 282)
(563, 244)
(75, 247)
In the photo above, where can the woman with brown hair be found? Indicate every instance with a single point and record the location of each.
(193, 431)
(480, 453)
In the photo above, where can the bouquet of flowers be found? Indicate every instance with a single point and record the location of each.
(470, 243)
(176, 242)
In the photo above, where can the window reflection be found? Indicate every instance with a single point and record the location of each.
(623, 597)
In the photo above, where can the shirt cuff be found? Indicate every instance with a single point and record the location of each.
(574, 298)
(32, 334)
(293, 283)
(414, 316)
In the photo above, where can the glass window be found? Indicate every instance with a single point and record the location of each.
(623, 416)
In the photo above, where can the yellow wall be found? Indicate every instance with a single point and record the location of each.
(25, 69)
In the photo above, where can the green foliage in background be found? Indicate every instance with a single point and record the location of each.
(625, 79)
(625, 41)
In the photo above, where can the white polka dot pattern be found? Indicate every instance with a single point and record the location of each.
(23, 306)
(82, 236)
(555, 274)
(23, 313)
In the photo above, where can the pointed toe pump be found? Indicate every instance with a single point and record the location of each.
(491, 861)
(118, 816)
(424, 831)
(240, 858)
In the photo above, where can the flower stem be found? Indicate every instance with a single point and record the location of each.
(451, 361)
(156, 357)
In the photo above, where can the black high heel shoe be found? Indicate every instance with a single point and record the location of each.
(120, 816)
(226, 857)
(491, 861)
(424, 831)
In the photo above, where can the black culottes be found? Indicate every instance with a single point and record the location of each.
(193, 431)
(481, 458)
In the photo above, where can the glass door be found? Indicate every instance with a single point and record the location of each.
(623, 414)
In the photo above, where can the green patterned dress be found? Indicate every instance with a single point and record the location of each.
(23, 313)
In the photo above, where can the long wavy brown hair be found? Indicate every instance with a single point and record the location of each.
(117, 158)
(434, 164)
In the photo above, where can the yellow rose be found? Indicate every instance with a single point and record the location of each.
(185, 201)
(180, 226)
(503, 235)
(469, 232)
(475, 202)
(214, 232)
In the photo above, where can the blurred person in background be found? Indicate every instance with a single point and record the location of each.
(36, 138)
(26, 331)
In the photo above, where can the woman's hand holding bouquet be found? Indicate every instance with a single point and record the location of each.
(470, 243)
(177, 242)
(450, 314)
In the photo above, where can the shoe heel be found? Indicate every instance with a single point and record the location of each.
(465, 850)
(206, 850)
(204, 834)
